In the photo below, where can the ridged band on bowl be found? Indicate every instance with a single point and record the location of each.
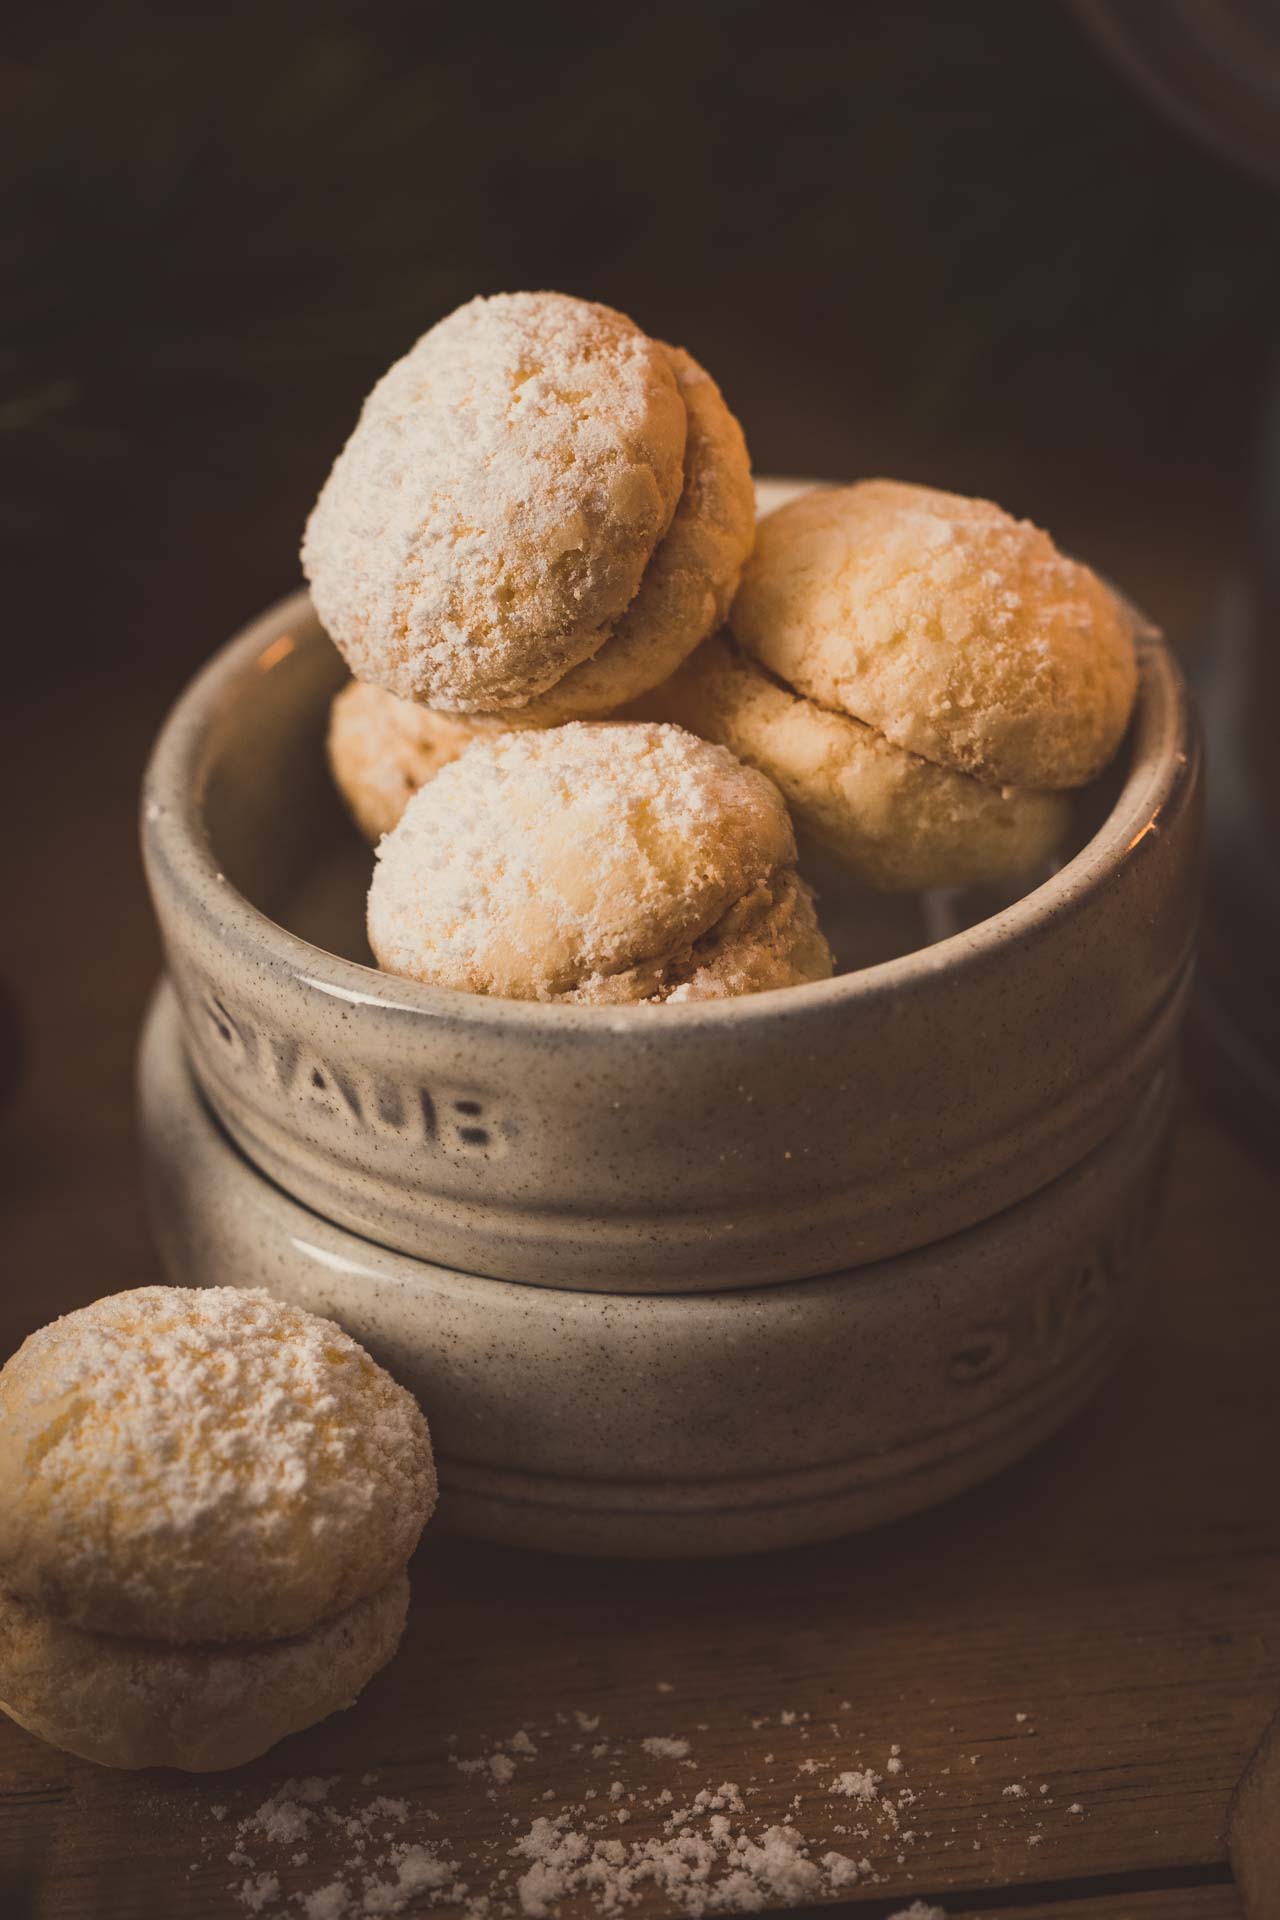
(711, 1423)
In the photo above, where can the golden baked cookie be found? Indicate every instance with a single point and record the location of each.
(955, 630)
(595, 863)
(768, 938)
(147, 1703)
(896, 821)
(188, 1465)
(498, 502)
(689, 582)
(382, 749)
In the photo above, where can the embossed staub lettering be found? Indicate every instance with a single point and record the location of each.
(1065, 1305)
(451, 1119)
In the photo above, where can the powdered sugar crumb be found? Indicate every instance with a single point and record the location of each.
(256, 1892)
(857, 1785)
(326, 1903)
(697, 1851)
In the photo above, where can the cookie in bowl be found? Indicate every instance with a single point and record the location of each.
(381, 749)
(597, 864)
(540, 513)
(924, 676)
(894, 820)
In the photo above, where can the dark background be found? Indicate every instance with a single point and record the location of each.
(949, 243)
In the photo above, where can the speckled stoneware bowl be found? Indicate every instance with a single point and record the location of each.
(720, 1145)
(728, 1422)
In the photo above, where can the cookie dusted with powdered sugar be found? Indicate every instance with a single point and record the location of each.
(382, 749)
(598, 864)
(186, 1465)
(149, 1703)
(689, 583)
(896, 821)
(540, 512)
(953, 629)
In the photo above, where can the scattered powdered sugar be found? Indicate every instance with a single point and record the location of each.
(255, 1893)
(401, 1872)
(416, 1871)
(310, 1851)
(326, 1903)
(499, 1765)
(719, 1869)
(286, 1817)
(857, 1785)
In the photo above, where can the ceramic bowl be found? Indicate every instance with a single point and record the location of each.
(695, 1424)
(728, 1144)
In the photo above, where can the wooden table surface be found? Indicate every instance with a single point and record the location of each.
(1100, 1626)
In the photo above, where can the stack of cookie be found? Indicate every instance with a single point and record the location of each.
(600, 865)
(544, 517)
(210, 1500)
(923, 675)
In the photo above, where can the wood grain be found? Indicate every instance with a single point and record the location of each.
(1193, 1903)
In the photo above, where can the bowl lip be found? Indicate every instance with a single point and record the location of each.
(1163, 743)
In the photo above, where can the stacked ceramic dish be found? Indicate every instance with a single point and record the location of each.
(756, 1272)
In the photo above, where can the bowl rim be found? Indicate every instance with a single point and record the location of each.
(1162, 742)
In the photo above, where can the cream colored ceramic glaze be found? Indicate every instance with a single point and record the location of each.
(727, 1422)
(727, 1144)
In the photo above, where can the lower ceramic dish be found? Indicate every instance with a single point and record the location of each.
(696, 1424)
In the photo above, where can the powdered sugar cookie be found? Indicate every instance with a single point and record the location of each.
(382, 749)
(689, 582)
(893, 819)
(204, 1465)
(595, 863)
(497, 505)
(148, 1703)
(955, 630)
